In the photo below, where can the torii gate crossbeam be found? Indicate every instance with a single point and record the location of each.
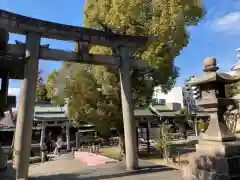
(34, 29)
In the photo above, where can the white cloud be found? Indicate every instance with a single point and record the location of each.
(229, 23)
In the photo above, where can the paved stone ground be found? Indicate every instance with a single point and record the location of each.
(66, 168)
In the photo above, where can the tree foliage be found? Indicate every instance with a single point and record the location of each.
(41, 91)
(51, 86)
(232, 89)
(184, 111)
(94, 95)
(165, 140)
(165, 19)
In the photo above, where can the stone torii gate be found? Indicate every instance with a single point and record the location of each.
(32, 51)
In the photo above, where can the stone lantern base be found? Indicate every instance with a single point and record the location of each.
(214, 161)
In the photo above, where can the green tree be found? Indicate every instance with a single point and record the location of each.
(165, 140)
(165, 19)
(232, 89)
(184, 111)
(51, 87)
(41, 91)
(94, 96)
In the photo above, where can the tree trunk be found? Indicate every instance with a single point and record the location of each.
(122, 147)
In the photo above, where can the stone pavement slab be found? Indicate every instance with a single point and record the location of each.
(66, 168)
(92, 159)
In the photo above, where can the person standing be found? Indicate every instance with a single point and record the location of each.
(45, 151)
(58, 145)
(49, 143)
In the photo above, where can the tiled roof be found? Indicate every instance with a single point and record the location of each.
(50, 115)
(49, 109)
(143, 112)
(167, 113)
(161, 108)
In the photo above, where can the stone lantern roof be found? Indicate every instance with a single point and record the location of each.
(212, 75)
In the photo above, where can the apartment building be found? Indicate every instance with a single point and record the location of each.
(174, 99)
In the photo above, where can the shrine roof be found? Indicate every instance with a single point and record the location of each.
(46, 108)
(167, 114)
(86, 130)
(11, 129)
(214, 77)
(51, 117)
(143, 112)
(162, 108)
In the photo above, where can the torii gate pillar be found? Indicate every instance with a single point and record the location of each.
(127, 109)
(23, 134)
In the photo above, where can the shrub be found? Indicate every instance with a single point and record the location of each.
(164, 145)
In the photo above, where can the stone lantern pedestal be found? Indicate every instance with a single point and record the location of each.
(217, 154)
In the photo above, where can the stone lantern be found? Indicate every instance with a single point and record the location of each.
(217, 153)
(213, 100)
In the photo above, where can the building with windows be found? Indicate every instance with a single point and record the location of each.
(178, 97)
(191, 94)
(173, 100)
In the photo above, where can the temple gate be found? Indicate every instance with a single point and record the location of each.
(23, 64)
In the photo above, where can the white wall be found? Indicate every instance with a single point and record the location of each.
(173, 96)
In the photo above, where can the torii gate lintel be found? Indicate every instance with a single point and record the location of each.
(18, 24)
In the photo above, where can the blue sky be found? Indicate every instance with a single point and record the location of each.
(217, 35)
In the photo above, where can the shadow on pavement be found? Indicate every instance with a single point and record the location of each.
(90, 176)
